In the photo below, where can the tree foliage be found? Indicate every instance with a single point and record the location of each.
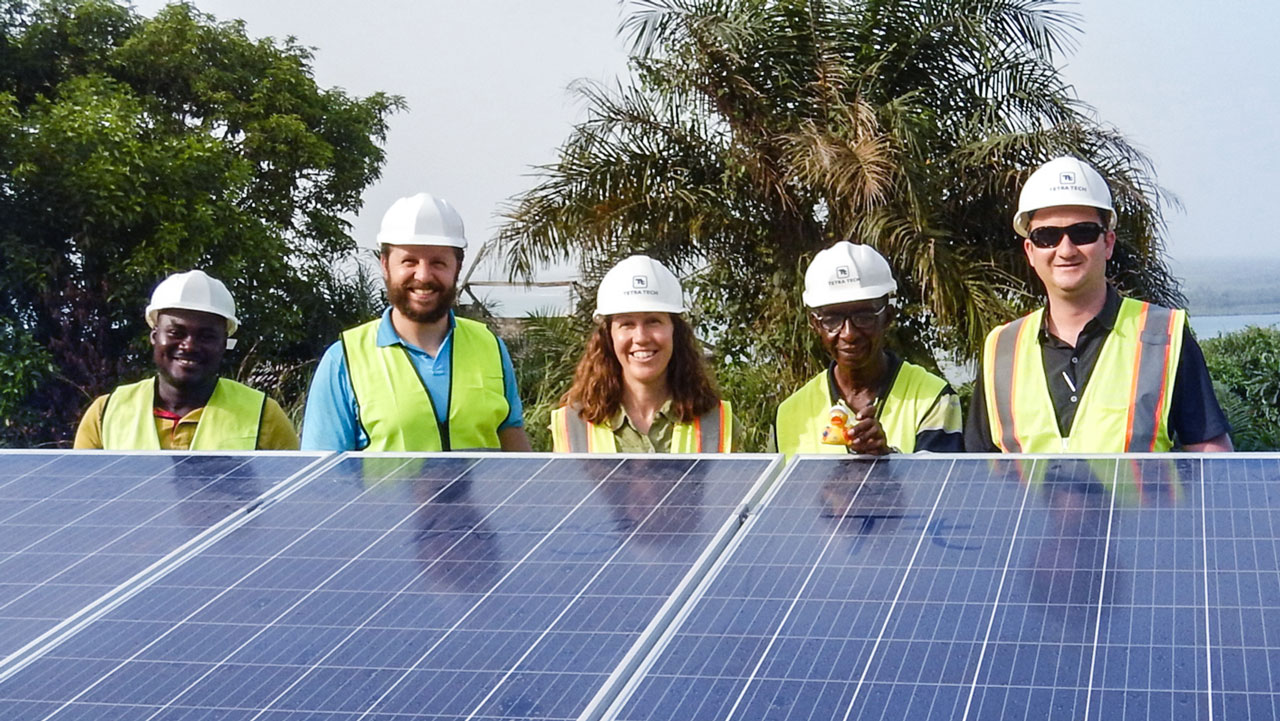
(1245, 366)
(757, 132)
(133, 147)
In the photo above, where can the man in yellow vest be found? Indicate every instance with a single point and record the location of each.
(418, 378)
(892, 405)
(1093, 372)
(187, 406)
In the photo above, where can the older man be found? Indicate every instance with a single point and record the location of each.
(1093, 372)
(418, 378)
(897, 406)
(187, 406)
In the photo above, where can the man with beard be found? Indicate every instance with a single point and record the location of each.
(187, 406)
(418, 378)
(888, 405)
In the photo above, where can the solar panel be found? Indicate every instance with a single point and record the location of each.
(492, 586)
(1242, 545)
(75, 526)
(975, 588)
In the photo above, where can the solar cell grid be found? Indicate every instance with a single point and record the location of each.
(450, 587)
(987, 588)
(1242, 524)
(74, 526)
(796, 612)
(514, 586)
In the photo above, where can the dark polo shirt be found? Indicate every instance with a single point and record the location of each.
(1194, 415)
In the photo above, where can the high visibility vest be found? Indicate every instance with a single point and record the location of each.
(393, 404)
(229, 422)
(804, 414)
(710, 433)
(1123, 408)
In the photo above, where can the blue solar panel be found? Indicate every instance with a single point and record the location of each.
(976, 588)
(75, 526)
(441, 587)
(1242, 524)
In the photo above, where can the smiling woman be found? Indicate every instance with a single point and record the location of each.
(642, 386)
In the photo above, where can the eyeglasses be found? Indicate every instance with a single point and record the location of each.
(833, 322)
(1048, 236)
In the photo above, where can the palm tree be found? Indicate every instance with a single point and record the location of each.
(760, 131)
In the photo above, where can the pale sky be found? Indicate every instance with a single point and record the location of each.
(1193, 84)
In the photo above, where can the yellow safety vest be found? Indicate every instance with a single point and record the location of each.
(710, 433)
(229, 422)
(1123, 408)
(802, 417)
(394, 407)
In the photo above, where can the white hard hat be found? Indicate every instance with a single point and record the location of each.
(194, 290)
(639, 284)
(1063, 181)
(422, 219)
(845, 273)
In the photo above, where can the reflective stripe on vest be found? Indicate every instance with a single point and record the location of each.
(802, 417)
(230, 421)
(1123, 408)
(710, 433)
(394, 407)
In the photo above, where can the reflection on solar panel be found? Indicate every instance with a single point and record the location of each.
(963, 588)
(441, 587)
(74, 526)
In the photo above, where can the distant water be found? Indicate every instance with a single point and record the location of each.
(1212, 326)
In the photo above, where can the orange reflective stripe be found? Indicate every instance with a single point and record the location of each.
(1002, 382)
(1164, 382)
(723, 445)
(1159, 411)
(1135, 382)
(1150, 381)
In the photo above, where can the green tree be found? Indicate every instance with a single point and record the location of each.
(133, 147)
(1245, 366)
(760, 131)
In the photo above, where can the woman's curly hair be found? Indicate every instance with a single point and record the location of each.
(597, 383)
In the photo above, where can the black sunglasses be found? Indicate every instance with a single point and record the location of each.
(1048, 236)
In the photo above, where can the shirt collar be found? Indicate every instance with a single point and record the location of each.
(893, 365)
(1105, 319)
(619, 417)
(387, 334)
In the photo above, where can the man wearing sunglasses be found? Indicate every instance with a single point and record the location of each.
(1093, 372)
(897, 406)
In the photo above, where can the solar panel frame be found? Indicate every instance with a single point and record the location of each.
(1238, 671)
(125, 588)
